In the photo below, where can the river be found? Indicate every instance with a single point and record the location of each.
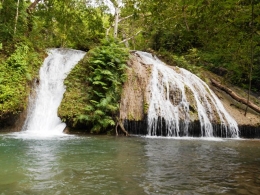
(128, 165)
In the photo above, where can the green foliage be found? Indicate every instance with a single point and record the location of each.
(52, 23)
(106, 66)
(16, 73)
(66, 23)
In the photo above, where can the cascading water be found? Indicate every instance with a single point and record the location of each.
(169, 105)
(42, 116)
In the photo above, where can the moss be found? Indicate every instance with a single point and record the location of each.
(146, 107)
(75, 97)
(134, 117)
(130, 117)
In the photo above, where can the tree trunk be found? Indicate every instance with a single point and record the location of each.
(113, 25)
(235, 96)
(184, 16)
(122, 127)
(124, 37)
(116, 21)
(17, 15)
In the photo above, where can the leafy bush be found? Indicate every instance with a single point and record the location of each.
(16, 73)
(106, 66)
(93, 88)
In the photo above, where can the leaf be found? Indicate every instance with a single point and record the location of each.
(99, 112)
(98, 62)
(83, 117)
(117, 60)
(99, 83)
(93, 101)
(99, 94)
(106, 72)
(28, 76)
(97, 78)
(89, 107)
(111, 64)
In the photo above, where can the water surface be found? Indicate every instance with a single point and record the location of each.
(121, 165)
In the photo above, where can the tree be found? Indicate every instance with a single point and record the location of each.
(12, 20)
(118, 22)
(68, 23)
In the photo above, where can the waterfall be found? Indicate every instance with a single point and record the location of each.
(42, 118)
(177, 96)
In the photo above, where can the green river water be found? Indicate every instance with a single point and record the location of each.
(128, 165)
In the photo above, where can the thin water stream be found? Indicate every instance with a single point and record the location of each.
(168, 101)
(42, 118)
(135, 165)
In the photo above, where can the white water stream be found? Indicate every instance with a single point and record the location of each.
(42, 118)
(168, 101)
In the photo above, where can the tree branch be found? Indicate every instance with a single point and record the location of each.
(119, 20)
(131, 37)
(235, 96)
(124, 18)
(17, 15)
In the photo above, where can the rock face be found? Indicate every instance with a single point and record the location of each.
(12, 122)
(136, 100)
(135, 96)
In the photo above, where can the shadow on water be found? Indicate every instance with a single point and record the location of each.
(136, 165)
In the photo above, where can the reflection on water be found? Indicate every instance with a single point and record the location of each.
(110, 165)
(192, 166)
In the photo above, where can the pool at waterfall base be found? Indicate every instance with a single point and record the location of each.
(128, 165)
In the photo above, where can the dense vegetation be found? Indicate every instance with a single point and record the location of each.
(98, 79)
(221, 36)
(16, 76)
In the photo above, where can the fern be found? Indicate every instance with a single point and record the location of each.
(106, 66)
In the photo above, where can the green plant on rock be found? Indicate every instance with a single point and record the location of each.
(16, 72)
(106, 66)
(146, 107)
